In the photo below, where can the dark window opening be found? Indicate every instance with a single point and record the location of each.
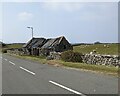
(64, 46)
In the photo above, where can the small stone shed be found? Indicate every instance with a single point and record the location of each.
(59, 44)
(42, 46)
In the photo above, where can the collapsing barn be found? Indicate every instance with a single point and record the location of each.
(32, 47)
(59, 44)
(42, 46)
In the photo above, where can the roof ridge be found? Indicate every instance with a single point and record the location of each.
(53, 41)
(61, 38)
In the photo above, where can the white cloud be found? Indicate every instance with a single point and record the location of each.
(25, 16)
(56, 5)
(67, 6)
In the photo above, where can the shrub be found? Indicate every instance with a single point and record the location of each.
(4, 45)
(4, 50)
(97, 42)
(71, 56)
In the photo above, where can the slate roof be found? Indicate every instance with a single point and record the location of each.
(52, 42)
(43, 43)
(34, 42)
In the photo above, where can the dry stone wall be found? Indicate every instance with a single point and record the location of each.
(55, 55)
(96, 59)
(15, 51)
(101, 59)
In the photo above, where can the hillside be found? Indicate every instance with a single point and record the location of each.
(111, 49)
(16, 45)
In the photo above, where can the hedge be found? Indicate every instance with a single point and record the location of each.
(70, 56)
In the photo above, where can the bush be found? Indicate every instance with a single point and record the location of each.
(70, 56)
(4, 50)
(3, 45)
(97, 42)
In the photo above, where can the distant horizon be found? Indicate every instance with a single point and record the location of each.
(69, 42)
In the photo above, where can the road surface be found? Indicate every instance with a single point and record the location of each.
(21, 76)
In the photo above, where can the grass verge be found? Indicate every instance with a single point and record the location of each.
(33, 58)
(111, 70)
(97, 68)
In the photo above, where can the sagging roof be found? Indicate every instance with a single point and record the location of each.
(52, 42)
(35, 42)
(43, 43)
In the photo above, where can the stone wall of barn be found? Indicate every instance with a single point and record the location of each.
(64, 46)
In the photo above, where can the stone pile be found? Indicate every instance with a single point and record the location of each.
(55, 55)
(15, 51)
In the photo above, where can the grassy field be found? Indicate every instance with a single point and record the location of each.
(111, 49)
(9, 46)
(14, 45)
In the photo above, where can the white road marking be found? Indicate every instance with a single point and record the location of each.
(27, 70)
(5, 59)
(94, 90)
(12, 63)
(71, 90)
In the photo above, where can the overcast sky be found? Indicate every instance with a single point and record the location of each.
(77, 21)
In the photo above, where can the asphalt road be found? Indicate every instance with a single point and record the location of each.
(21, 76)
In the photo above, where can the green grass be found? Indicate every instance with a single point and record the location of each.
(40, 59)
(99, 68)
(112, 50)
(14, 45)
(9, 46)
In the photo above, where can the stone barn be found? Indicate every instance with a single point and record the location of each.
(42, 46)
(59, 44)
(32, 47)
